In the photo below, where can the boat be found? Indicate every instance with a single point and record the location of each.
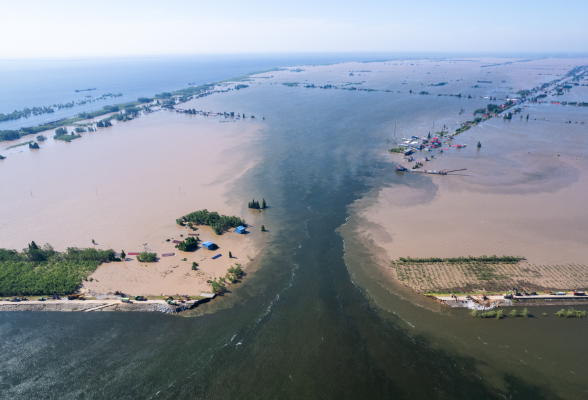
(401, 168)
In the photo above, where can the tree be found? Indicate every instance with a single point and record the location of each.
(234, 273)
(254, 204)
(527, 117)
(479, 145)
(230, 255)
(525, 313)
(513, 313)
(100, 124)
(189, 244)
(194, 265)
(217, 287)
(263, 204)
(123, 255)
(147, 257)
(262, 228)
(429, 136)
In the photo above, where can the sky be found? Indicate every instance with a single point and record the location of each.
(119, 28)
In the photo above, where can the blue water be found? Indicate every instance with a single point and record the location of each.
(37, 83)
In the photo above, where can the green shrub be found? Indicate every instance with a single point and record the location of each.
(571, 313)
(525, 313)
(37, 270)
(189, 244)
(218, 223)
(147, 257)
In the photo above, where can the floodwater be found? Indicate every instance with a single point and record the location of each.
(314, 319)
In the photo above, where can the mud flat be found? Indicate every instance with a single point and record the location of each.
(125, 186)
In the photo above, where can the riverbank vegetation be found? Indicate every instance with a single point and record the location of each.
(488, 314)
(27, 112)
(571, 313)
(218, 223)
(20, 144)
(42, 270)
(219, 285)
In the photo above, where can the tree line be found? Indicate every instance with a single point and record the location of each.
(457, 260)
(218, 223)
(42, 270)
(255, 204)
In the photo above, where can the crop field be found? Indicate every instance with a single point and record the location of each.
(472, 275)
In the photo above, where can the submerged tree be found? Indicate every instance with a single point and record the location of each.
(254, 204)
(479, 144)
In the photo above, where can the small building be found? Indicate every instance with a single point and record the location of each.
(240, 229)
(208, 244)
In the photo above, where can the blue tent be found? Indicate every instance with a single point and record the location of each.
(240, 229)
(209, 245)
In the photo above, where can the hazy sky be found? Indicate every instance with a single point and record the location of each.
(78, 28)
